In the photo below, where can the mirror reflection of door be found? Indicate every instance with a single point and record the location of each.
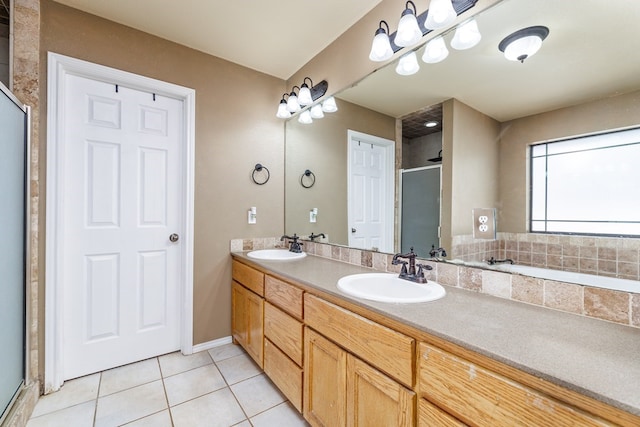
(420, 219)
(370, 192)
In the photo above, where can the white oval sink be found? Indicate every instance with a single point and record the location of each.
(276, 254)
(386, 287)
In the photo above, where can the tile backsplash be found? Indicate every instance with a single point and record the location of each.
(611, 305)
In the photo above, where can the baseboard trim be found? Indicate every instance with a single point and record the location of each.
(211, 344)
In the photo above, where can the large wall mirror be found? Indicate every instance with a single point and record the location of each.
(584, 79)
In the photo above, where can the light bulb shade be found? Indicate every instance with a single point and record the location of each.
(441, 14)
(283, 113)
(435, 51)
(381, 47)
(408, 32)
(292, 103)
(466, 36)
(304, 96)
(329, 105)
(305, 117)
(523, 43)
(316, 112)
(408, 64)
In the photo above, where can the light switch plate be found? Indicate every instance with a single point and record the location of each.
(484, 223)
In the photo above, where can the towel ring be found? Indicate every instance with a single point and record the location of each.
(311, 177)
(259, 168)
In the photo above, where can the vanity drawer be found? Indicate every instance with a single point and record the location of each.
(284, 295)
(484, 398)
(429, 415)
(284, 331)
(285, 374)
(384, 348)
(249, 277)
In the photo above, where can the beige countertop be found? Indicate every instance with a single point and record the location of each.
(596, 358)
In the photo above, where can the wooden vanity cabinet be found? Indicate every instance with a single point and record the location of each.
(283, 330)
(341, 389)
(247, 321)
(479, 397)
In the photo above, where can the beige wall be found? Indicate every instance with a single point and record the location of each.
(322, 148)
(609, 113)
(232, 135)
(470, 167)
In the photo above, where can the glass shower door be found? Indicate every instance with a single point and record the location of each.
(13, 157)
(420, 218)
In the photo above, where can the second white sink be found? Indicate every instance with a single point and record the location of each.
(386, 287)
(276, 254)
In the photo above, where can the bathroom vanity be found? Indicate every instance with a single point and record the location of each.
(466, 359)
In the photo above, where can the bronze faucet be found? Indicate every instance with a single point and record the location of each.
(411, 274)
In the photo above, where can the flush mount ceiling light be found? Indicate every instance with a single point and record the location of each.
(409, 32)
(440, 14)
(431, 124)
(306, 96)
(408, 64)
(466, 36)
(523, 43)
(435, 51)
(381, 46)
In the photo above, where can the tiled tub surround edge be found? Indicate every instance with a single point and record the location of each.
(604, 304)
(602, 256)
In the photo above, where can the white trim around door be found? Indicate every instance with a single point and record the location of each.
(59, 66)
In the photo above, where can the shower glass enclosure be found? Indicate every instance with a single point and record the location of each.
(13, 208)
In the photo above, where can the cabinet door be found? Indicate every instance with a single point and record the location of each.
(238, 313)
(255, 327)
(375, 399)
(325, 381)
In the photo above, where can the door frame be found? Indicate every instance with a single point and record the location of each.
(59, 66)
(390, 156)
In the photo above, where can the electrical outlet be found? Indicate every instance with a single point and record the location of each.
(484, 223)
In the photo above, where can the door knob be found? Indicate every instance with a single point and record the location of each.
(353, 230)
(174, 238)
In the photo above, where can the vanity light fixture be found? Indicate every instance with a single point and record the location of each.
(435, 51)
(329, 105)
(292, 102)
(316, 112)
(381, 46)
(283, 112)
(441, 14)
(408, 64)
(306, 96)
(466, 36)
(523, 43)
(409, 32)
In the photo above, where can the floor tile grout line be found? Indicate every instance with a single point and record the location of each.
(95, 407)
(166, 395)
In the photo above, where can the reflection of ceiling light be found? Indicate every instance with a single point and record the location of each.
(523, 43)
(441, 14)
(408, 64)
(431, 124)
(305, 117)
(316, 112)
(381, 46)
(329, 105)
(409, 32)
(435, 51)
(466, 36)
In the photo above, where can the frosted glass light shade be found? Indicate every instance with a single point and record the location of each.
(408, 32)
(435, 51)
(408, 64)
(292, 103)
(305, 117)
(441, 14)
(329, 105)
(466, 36)
(316, 112)
(519, 50)
(381, 47)
(283, 113)
(304, 96)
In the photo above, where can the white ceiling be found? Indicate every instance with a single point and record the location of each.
(276, 37)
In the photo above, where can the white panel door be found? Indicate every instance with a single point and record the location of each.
(122, 175)
(368, 196)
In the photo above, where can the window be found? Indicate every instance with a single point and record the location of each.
(587, 185)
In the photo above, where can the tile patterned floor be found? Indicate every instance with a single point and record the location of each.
(219, 387)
